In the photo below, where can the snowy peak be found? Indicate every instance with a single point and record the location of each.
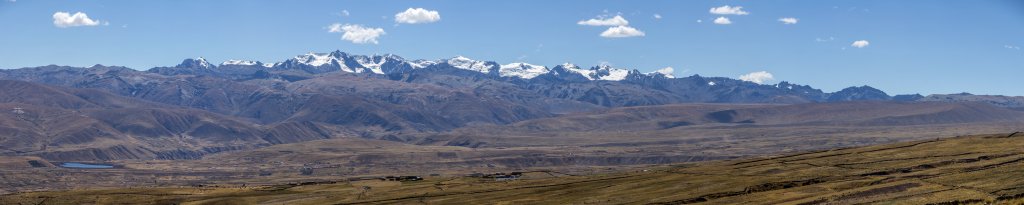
(203, 63)
(337, 54)
(199, 62)
(576, 69)
(314, 59)
(388, 63)
(462, 62)
(316, 62)
(337, 60)
(242, 63)
(606, 72)
(369, 63)
(421, 63)
(522, 70)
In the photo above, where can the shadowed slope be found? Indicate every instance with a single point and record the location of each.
(85, 124)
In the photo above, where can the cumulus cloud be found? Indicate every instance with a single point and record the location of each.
(417, 15)
(657, 16)
(618, 26)
(722, 20)
(622, 32)
(344, 13)
(617, 20)
(860, 44)
(788, 20)
(667, 71)
(1011, 47)
(728, 10)
(357, 33)
(758, 77)
(65, 19)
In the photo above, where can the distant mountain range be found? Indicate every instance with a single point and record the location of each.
(662, 84)
(305, 66)
(196, 107)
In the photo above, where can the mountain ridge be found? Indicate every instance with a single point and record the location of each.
(377, 97)
(312, 63)
(389, 64)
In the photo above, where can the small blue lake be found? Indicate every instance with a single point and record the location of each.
(85, 166)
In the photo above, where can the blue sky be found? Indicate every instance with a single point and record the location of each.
(922, 47)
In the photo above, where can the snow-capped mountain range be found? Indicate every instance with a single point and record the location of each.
(388, 64)
(688, 89)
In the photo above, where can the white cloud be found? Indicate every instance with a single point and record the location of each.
(860, 44)
(417, 15)
(758, 77)
(357, 33)
(657, 16)
(700, 21)
(830, 38)
(788, 20)
(722, 20)
(344, 13)
(667, 71)
(617, 20)
(65, 19)
(622, 32)
(728, 10)
(1011, 47)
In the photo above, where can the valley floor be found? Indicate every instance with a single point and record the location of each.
(969, 169)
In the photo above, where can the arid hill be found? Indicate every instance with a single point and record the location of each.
(336, 116)
(981, 169)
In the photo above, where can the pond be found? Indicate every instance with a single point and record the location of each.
(85, 166)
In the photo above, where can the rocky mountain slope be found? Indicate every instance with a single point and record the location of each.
(198, 107)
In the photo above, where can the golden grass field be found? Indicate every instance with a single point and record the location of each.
(970, 169)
